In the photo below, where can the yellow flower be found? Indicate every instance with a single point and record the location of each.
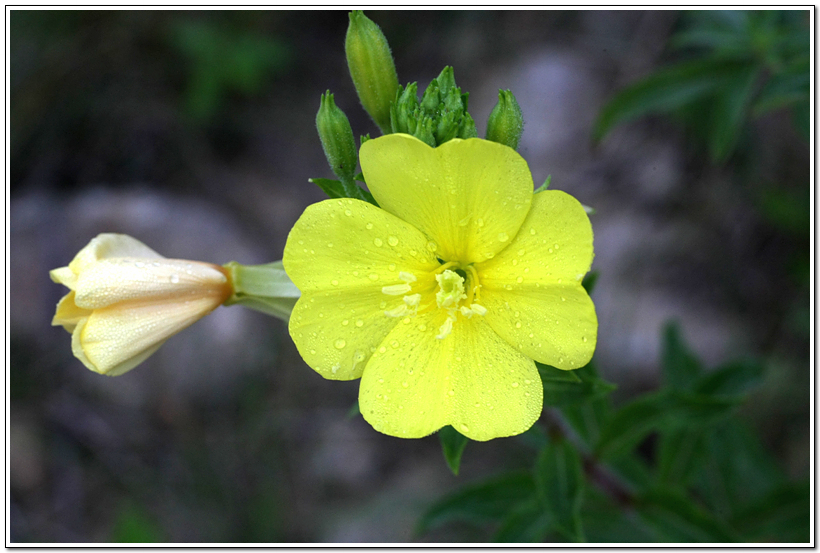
(126, 300)
(441, 300)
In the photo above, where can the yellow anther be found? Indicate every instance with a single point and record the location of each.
(396, 289)
(445, 329)
(407, 277)
(412, 300)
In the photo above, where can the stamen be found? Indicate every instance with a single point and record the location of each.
(475, 292)
(412, 300)
(478, 309)
(445, 329)
(396, 289)
(398, 311)
(446, 266)
(407, 277)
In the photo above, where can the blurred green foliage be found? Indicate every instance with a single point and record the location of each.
(735, 65)
(675, 465)
(221, 61)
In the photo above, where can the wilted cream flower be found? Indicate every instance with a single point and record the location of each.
(126, 300)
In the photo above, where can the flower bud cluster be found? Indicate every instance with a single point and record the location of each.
(441, 115)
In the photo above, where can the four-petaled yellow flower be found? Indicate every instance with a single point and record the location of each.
(126, 300)
(441, 300)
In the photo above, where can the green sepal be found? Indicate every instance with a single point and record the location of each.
(265, 288)
(336, 189)
(452, 445)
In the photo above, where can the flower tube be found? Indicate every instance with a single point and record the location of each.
(126, 300)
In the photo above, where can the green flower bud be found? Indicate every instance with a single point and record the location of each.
(467, 128)
(401, 111)
(506, 122)
(371, 67)
(337, 138)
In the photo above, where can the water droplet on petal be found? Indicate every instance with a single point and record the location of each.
(174, 279)
(502, 237)
(368, 226)
(515, 384)
(373, 276)
(340, 344)
(393, 241)
(378, 242)
(359, 323)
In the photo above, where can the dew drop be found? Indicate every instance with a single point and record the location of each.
(518, 324)
(451, 393)
(432, 246)
(393, 241)
(519, 280)
(465, 428)
(480, 222)
(334, 282)
(373, 276)
(174, 279)
(515, 262)
(378, 242)
(584, 338)
(394, 343)
(368, 226)
(502, 237)
(345, 322)
(404, 384)
(515, 384)
(359, 323)
(340, 344)
(550, 250)
(532, 231)
(392, 266)
(330, 244)
(522, 251)
(563, 298)
(382, 349)
(348, 213)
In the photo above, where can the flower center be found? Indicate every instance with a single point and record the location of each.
(453, 280)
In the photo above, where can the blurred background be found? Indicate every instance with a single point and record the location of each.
(194, 132)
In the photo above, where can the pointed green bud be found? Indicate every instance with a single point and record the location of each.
(430, 99)
(424, 131)
(337, 138)
(401, 112)
(446, 80)
(506, 122)
(467, 128)
(371, 67)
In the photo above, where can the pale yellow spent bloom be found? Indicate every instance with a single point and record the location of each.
(126, 300)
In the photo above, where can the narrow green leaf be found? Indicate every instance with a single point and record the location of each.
(783, 515)
(733, 378)
(529, 523)
(336, 189)
(353, 412)
(679, 451)
(487, 501)
(544, 186)
(631, 424)
(676, 518)
(559, 480)
(680, 366)
(562, 388)
(590, 280)
(663, 91)
(452, 445)
(730, 109)
(588, 418)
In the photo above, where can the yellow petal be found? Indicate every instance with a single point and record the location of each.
(113, 337)
(68, 314)
(472, 379)
(64, 276)
(115, 370)
(337, 331)
(553, 245)
(114, 280)
(469, 196)
(109, 245)
(350, 244)
(532, 289)
(554, 324)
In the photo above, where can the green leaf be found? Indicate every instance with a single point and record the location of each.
(730, 109)
(662, 92)
(675, 518)
(563, 388)
(679, 452)
(783, 515)
(134, 524)
(631, 424)
(528, 523)
(590, 280)
(734, 378)
(544, 186)
(736, 469)
(588, 418)
(680, 366)
(559, 480)
(607, 522)
(336, 189)
(452, 445)
(487, 501)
